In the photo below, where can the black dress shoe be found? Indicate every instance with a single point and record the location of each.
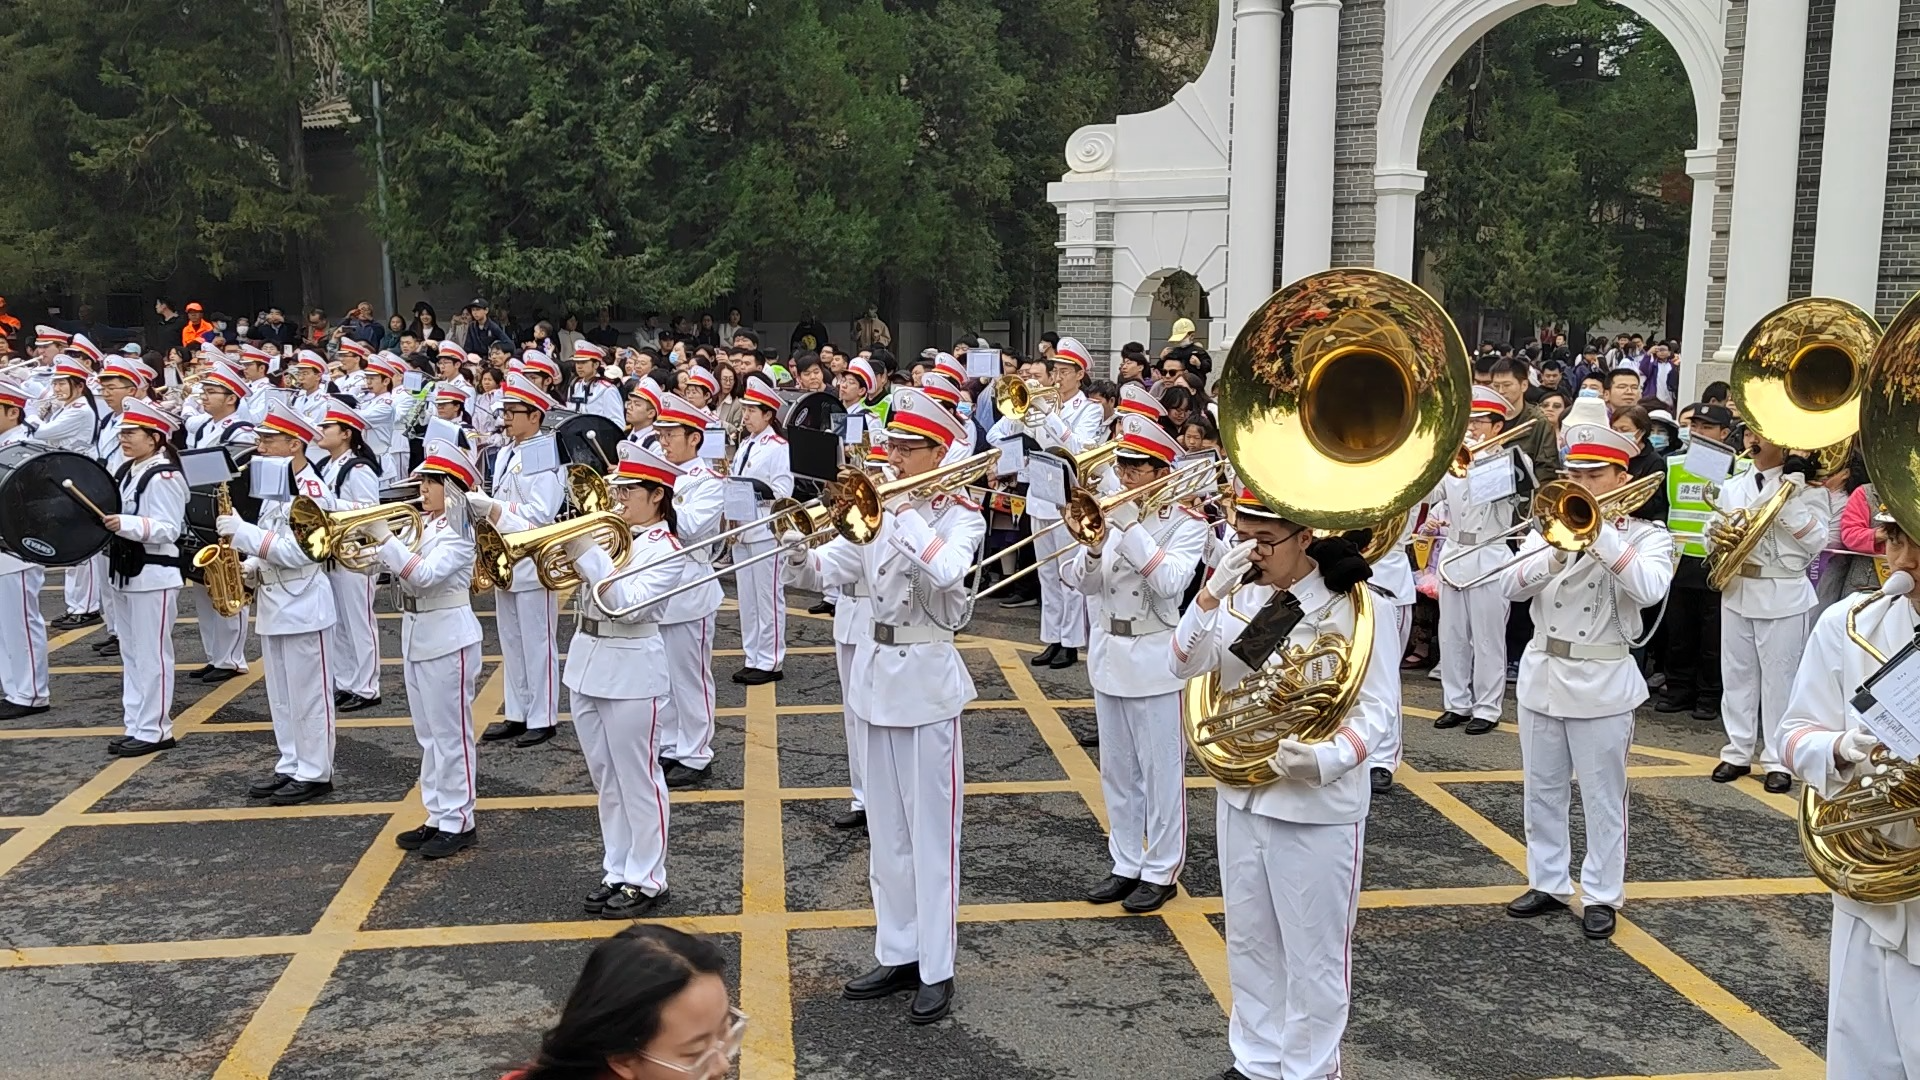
(219, 675)
(139, 747)
(446, 843)
(201, 672)
(535, 736)
(755, 676)
(1533, 903)
(1706, 710)
(1480, 725)
(1597, 921)
(76, 619)
(1091, 742)
(628, 902)
(1448, 719)
(266, 786)
(852, 819)
(296, 792)
(680, 776)
(1149, 897)
(1727, 772)
(356, 703)
(116, 741)
(821, 608)
(1234, 1074)
(740, 676)
(503, 729)
(1066, 658)
(1112, 890)
(883, 981)
(341, 697)
(1381, 779)
(1672, 705)
(931, 1002)
(596, 901)
(10, 710)
(1778, 783)
(413, 839)
(1044, 656)
(109, 647)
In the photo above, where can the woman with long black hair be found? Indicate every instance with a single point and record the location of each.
(351, 476)
(144, 574)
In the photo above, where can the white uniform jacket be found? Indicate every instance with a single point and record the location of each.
(354, 385)
(9, 564)
(155, 523)
(294, 596)
(1077, 424)
(614, 663)
(379, 413)
(1470, 551)
(437, 608)
(1820, 709)
(260, 392)
(1779, 562)
(1135, 587)
(1202, 643)
(697, 501)
(360, 489)
(926, 550)
(1393, 574)
(763, 457)
(528, 500)
(73, 427)
(106, 445)
(600, 398)
(1586, 612)
(230, 430)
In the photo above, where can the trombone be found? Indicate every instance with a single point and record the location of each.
(1081, 468)
(1569, 517)
(855, 512)
(1462, 462)
(345, 535)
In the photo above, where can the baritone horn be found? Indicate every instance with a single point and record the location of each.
(346, 536)
(495, 552)
(1344, 399)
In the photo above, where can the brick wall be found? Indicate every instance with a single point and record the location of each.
(1723, 180)
(1086, 294)
(1363, 35)
(1900, 238)
(1813, 119)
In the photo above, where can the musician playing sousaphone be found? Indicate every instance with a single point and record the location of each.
(1290, 847)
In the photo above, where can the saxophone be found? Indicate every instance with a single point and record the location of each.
(226, 588)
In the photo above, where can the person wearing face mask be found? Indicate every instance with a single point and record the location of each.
(1636, 423)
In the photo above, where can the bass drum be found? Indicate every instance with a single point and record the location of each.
(589, 439)
(43, 523)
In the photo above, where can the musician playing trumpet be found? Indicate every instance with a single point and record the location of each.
(1134, 581)
(909, 685)
(688, 621)
(351, 475)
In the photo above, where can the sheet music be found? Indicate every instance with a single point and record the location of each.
(740, 505)
(1013, 456)
(1490, 480)
(1889, 704)
(1709, 460)
(270, 478)
(856, 427)
(1047, 479)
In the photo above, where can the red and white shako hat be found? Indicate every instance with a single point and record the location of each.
(1250, 504)
(121, 367)
(1488, 402)
(443, 458)
(50, 335)
(357, 347)
(1137, 400)
(918, 416)
(587, 350)
(861, 368)
(536, 362)
(307, 358)
(227, 378)
(79, 343)
(1143, 440)
(947, 365)
(638, 464)
(451, 350)
(339, 412)
(254, 354)
(648, 388)
(146, 416)
(452, 393)
(13, 393)
(1071, 351)
(1590, 446)
(69, 367)
(521, 389)
(281, 419)
(700, 376)
(940, 388)
(676, 411)
(760, 392)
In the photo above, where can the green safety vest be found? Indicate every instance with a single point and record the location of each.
(1687, 509)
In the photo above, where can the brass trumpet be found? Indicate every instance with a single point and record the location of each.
(1016, 397)
(1569, 517)
(1462, 461)
(1085, 516)
(344, 535)
(495, 553)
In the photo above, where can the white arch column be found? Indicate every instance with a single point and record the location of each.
(1703, 165)
(1396, 190)
(1766, 166)
(1313, 86)
(1253, 171)
(1853, 153)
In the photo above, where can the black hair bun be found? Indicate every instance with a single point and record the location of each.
(1341, 565)
(1799, 463)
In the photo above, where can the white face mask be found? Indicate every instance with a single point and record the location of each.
(220, 326)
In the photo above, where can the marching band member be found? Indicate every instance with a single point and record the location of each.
(121, 380)
(311, 396)
(528, 490)
(23, 640)
(220, 423)
(1137, 400)
(762, 459)
(852, 625)
(440, 644)
(1579, 685)
(592, 392)
(1473, 621)
(447, 361)
(1393, 581)
(1134, 582)
(144, 575)
(256, 367)
(452, 402)
(1290, 849)
(1765, 610)
(351, 476)
(943, 390)
(874, 406)
(540, 368)
(909, 685)
(701, 387)
(1873, 982)
(295, 610)
(687, 621)
(353, 355)
(618, 678)
(381, 412)
(643, 408)
(75, 425)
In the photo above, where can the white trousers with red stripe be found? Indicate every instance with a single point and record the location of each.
(529, 623)
(856, 728)
(1387, 754)
(146, 659)
(1473, 649)
(1758, 659)
(913, 832)
(300, 697)
(224, 640)
(354, 638)
(763, 607)
(1292, 892)
(1554, 752)
(686, 716)
(621, 741)
(440, 695)
(1063, 610)
(1873, 995)
(1143, 758)
(23, 637)
(82, 586)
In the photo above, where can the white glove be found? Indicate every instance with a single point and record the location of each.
(1055, 427)
(578, 547)
(227, 524)
(1123, 516)
(1295, 760)
(1855, 746)
(1233, 566)
(481, 505)
(378, 531)
(795, 542)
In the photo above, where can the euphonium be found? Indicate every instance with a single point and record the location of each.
(220, 564)
(1344, 399)
(1016, 397)
(1739, 531)
(344, 536)
(495, 553)
(587, 491)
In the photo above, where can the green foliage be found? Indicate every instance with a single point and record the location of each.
(1546, 150)
(139, 147)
